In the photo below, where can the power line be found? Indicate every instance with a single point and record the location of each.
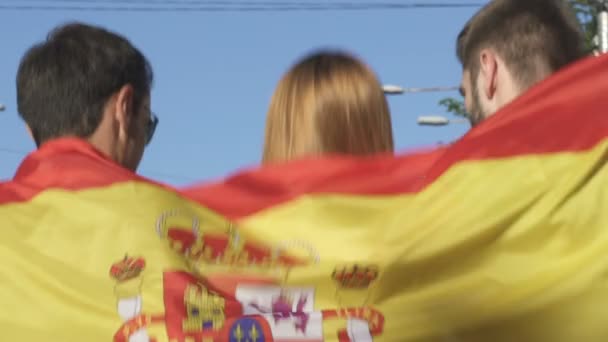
(194, 6)
(208, 2)
(12, 151)
(251, 2)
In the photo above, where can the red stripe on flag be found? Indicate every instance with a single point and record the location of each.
(68, 164)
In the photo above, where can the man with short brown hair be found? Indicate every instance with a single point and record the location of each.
(510, 45)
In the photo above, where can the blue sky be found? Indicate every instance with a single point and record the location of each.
(215, 73)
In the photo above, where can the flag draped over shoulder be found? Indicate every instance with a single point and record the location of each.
(502, 236)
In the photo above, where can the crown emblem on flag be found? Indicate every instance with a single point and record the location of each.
(128, 268)
(356, 276)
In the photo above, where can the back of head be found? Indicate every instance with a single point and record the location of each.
(329, 102)
(64, 82)
(534, 38)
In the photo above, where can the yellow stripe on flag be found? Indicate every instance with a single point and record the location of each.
(489, 240)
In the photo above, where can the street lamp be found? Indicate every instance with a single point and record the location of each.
(436, 120)
(391, 89)
(2, 107)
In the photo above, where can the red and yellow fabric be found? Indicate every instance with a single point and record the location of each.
(501, 236)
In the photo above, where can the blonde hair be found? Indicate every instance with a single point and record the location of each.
(328, 103)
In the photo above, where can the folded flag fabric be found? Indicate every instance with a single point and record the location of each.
(501, 236)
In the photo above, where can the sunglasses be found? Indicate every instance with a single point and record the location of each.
(152, 123)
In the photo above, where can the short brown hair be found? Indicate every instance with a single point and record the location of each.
(64, 82)
(328, 103)
(530, 35)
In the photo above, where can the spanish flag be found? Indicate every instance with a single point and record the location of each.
(501, 236)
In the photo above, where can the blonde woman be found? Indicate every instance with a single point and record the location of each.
(328, 103)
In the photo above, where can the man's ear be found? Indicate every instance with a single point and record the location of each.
(488, 65)
(123, 110)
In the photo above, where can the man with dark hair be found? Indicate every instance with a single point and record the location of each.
(84, 93)
(510, 45)
(88, 83)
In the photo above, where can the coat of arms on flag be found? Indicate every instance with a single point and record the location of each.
(255, 313)
(242, 306)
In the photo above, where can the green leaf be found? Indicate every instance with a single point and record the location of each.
(453, 106)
